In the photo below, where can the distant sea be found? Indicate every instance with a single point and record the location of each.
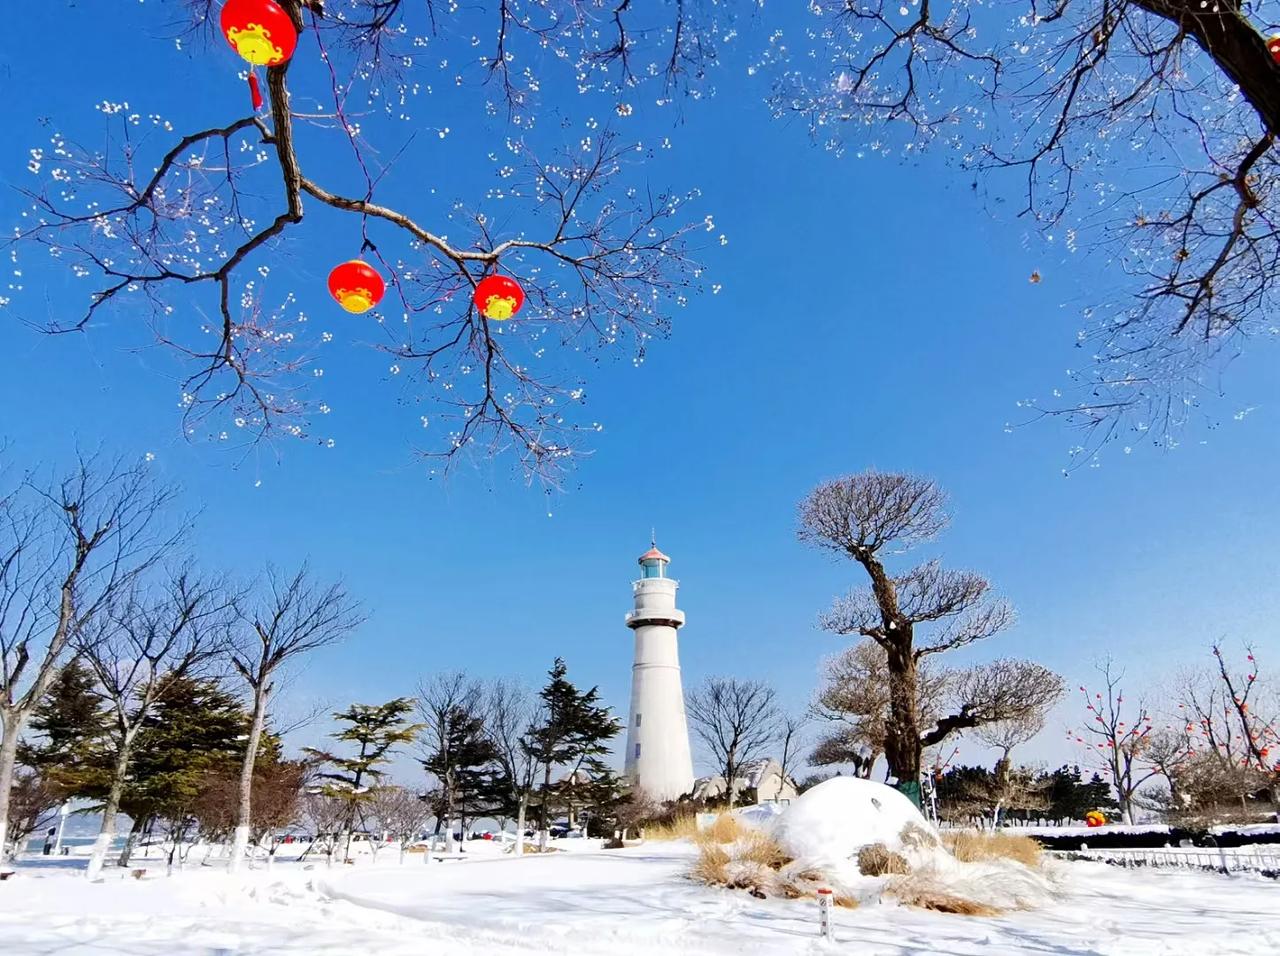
(80, 831)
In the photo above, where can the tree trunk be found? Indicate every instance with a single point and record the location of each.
(902, 742)
(244, 812)
(520, 818)
(107, 833)
(131, 842)
(449, 846)
(8, 757)
(544, 829)
(1235, 45)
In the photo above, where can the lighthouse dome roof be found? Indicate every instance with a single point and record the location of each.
(653, 554)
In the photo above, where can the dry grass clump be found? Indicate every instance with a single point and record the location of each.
(975, 846)
(726, 829)
(711, 867)
(756, 862)
(757, 846)
(921, 892)
(739, 857)
(749, 863)
(876, 859)
(683, 827)
(800, 881)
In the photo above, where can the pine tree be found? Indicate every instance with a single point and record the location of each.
(196, 729)
(573, 732)
(1097, 795)
(463, 762)
(1070, 798)
(378, 729)
(70, 724)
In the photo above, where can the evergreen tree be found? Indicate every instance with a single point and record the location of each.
(1097, 795)
(572, 732)
(70, 724)
(377, 729)
(1070, 798)
(463, 762)
(195, 730)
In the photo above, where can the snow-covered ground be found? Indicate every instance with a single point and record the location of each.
(592, 901)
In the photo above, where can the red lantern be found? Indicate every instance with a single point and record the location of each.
(498, 297)
(261, 32)
(1274, 46)
(357, 286)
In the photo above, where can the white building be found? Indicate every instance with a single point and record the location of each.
(658, 759)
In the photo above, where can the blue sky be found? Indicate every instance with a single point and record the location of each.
(873, 313)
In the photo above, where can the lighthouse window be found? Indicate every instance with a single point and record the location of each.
(637, 751)
(638, 720)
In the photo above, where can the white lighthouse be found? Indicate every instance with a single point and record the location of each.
(658, 760)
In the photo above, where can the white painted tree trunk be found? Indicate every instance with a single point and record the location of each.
(8, 757)
(520, 827)
(244, 813)
(98, 856)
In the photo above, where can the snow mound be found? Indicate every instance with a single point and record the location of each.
(823, 831)
(831, 822)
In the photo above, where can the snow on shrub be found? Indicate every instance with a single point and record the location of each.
(831, 822)
(864, 840)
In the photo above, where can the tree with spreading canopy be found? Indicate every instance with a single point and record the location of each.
(869, 516)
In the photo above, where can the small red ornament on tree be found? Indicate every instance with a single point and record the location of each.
(1274, 46)
(498, 297)
(262, 33)
(356, 286)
